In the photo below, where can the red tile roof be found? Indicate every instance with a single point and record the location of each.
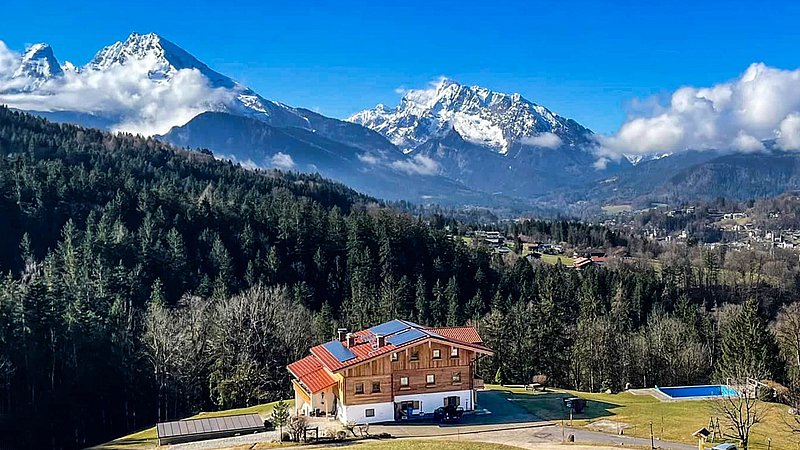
(310, 372)
(363, 349)
(464, 334)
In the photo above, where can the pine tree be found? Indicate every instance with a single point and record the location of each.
(748, 348)
(421, 302)
(453, 306)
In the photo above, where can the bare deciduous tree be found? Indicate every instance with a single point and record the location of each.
(742, 410)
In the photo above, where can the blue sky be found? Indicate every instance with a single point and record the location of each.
(585, 60)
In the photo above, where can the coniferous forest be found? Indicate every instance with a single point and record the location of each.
(141, 282)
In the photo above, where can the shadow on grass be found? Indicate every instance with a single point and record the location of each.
(128, 443)
(550, 406)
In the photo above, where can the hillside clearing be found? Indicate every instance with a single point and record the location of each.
(672, 421)
(147, 438)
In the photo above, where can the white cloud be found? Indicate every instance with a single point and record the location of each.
(763, 103)
(141, 105)
(417, 165)
(282, 161)
(369, 158)
(601, 163)
(9, 61)
(789, 132)
(746, 143)
(546, 140)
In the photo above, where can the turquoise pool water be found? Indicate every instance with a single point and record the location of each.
(705, 391)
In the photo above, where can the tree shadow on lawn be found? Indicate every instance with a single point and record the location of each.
(550, 406)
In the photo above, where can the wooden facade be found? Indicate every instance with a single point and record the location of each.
(390, 371)
(416, 364)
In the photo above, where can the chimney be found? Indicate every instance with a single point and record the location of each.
(341, 333)
(380, 340)
(351, 339)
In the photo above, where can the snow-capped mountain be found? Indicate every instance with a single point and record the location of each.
(147, 84)
(165, 59)
(36, 66)
(489, 140)
(480, 116)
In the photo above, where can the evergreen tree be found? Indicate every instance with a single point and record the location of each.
(748, 348)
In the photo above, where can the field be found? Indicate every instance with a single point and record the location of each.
(147, 439)
(554, 259)
(616, 209)
(672, 421)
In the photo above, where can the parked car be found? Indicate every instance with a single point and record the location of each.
(576, 404)
(448, 414)
(725, 446)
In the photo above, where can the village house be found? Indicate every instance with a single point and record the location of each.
(392, 371)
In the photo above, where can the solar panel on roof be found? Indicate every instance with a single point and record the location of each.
(339, 351)
(391, 327)
(409, 335)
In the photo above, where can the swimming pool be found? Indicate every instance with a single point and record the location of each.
(705, 391)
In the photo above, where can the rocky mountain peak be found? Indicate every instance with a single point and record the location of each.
(166, 58)
(38, 63)
(481, 116)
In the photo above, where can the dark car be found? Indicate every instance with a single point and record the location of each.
(576, 404)
(448, 414)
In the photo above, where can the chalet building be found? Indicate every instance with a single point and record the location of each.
(389, 372)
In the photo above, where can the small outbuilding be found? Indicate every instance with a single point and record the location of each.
(212, 428)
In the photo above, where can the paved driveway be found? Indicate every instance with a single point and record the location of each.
(508, 423)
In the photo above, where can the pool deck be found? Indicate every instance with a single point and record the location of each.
(666, 398)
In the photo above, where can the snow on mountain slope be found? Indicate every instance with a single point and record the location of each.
(133, 84)
(491, 119)
(36, 66)
(167, 59)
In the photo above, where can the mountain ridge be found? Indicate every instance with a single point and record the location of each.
(444, 142)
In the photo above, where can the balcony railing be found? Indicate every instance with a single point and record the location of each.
(477, 383)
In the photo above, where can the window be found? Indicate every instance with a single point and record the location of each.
(452, 401)
(404, 406)
(454, 352)
(456, 377)
(369, 412)
(430, 379)
(394, 356)
(437, 354)
(359, 388)
(376, 386)
(414, 355)
(403, 381)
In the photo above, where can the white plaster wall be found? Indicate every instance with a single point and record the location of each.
(384, 412)
(324, 402)
(430, 401)
(300, 405)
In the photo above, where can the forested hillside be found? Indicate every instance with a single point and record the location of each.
(144, 282)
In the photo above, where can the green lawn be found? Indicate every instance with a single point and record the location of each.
(672, 421)
(147, 438)
(554, 259)
(414, 444)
